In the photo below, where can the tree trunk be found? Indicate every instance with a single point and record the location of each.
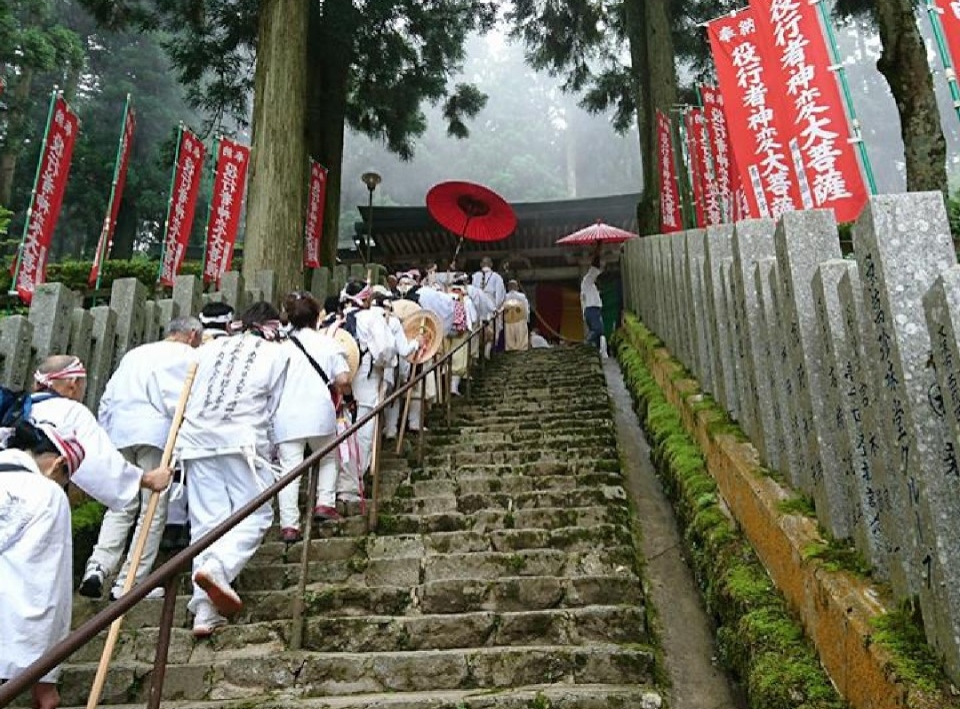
(13, 144)
(125, 233)
(903, 62)
(278, 167)
(330, 55)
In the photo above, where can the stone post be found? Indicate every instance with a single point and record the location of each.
(50, 314)
(773, 361)
(16, 351)
(168, 309)
(320, 284)
(100, 366)
(267, 282)
(718, 246)
(127, 299)
(188, 295)
(81, 334)
(693, 251)
(234, 291)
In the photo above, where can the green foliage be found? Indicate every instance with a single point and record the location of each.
(74, 274)
(839, 555)
(797, 505)
(901, 632)
(87, 515)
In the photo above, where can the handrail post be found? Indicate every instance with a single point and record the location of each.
(163, 643)
(450, 397)
(423, 421)
(296, 612)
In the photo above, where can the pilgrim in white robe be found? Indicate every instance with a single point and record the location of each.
(516, 336)
(396, 376)
(36, 560)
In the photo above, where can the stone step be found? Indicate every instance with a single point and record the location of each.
(376, 633)
(324, 674)
(490, 520)
(445, 458)
(469, 503)
(557, 696)
(536, 469)
(506, 483)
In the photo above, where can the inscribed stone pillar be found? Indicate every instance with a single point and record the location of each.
(152, 324)
(804, 239)
(267, 282)
(340, 275)
(233, 289)
(685, 340)
(841, 507)
(693, 277)
(731, 356)
(169, 309)
(50, 313)
(81, 334)
(657, 291)
(771, 364)
(664, 319)
(870, 453)
(127, 298)
(188, 295)
(253, 295)
(16, 351)
(320, 283)
(103, 346)
(902, 244)
(752, 241)
(718, 245)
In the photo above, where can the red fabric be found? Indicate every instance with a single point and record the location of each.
(183, 203)
(47, 198)
(315, 203)
(718, 145)
(550, 306)
(225, 205)
(670, 217)
(471, 211)
(949, 12)
(815, 122)
(754, 115)
(597, 232)
(120, 180)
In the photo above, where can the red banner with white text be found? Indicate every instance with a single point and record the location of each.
(223, 221)
(313, 229)
(949, 11)
(671, 219)
(116, 195)
(695, 167)
(183, 204)
(47, 198)
(718, 143)
(815, 123)
(754, 117)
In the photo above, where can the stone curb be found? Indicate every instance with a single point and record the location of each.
(835, 607)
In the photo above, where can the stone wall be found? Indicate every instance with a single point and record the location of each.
(57, 324)
(843, 372)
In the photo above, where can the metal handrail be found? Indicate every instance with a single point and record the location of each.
(166, 574)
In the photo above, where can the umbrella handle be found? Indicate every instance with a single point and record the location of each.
(456, 253)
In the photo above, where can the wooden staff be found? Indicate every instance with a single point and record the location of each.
(101, 677)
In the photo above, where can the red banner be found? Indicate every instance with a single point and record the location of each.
(692, 130)
(183, 203)
(31, 268)
(949, 11)
(815, 123)
(223, 222)
(670, 217)
(718, 142)
(753, 115)
(313, 230)
(105, 242)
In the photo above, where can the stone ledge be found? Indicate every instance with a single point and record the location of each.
(836, 608)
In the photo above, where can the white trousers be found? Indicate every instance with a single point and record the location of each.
(218, 487)
(116, 524)
(366, 390)
(291, 455)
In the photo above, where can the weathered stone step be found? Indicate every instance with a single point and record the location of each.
(559, 696)
(579, 626)
(508, 483)
(566, 441)
(440, 458)
(489, 520)
(324, 674)
(475, 502)
(536, 469)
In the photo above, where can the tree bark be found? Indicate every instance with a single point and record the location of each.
(13, 144)
(278, 167)
(903, 63)
(330, 56)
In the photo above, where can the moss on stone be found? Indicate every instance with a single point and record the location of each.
(797, 505)
(901, 633)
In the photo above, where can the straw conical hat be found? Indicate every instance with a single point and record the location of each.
(402, 308)
(427, 326)
(349, 346)
(513, 312)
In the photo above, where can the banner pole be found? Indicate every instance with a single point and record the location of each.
(33, 194)
(949, 69)
(104, 253)
(173, 179)
(206, 233)
(847, 95)
(681, 161)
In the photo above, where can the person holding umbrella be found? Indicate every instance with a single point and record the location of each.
(591, 303)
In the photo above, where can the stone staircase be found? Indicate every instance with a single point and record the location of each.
(503, 574)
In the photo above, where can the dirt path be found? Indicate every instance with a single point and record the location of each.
(686, 634)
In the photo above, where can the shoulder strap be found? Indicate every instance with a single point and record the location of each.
(313, 362)
(14, 468)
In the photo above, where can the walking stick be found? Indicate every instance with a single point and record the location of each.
(101, 677)
(406, 408)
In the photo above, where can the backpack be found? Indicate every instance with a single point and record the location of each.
(350, 324)
(17, 406)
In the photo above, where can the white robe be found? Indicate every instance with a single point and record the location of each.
(491, 283)
(139, 401)
(104, 473)
(440, 304)
(36, 560)
(306, 408)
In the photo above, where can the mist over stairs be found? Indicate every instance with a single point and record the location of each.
(503, 574)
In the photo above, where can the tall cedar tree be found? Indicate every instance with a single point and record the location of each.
(370, 68)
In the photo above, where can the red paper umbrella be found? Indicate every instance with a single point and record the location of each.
(598, 233)
(471, 211)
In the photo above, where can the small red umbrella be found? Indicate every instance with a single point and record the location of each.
(598, 233)
(471, 211)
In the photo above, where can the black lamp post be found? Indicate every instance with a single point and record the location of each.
(371, 180)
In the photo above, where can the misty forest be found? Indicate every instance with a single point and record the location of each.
(537, 100)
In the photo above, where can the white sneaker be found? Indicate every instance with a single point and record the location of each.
(212, 579)
(207, 620)
(154, 594)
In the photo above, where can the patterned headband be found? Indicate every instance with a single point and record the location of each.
(357, 299)
(73, 370)
(70, 448)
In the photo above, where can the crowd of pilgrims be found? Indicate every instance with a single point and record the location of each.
(268, 387)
